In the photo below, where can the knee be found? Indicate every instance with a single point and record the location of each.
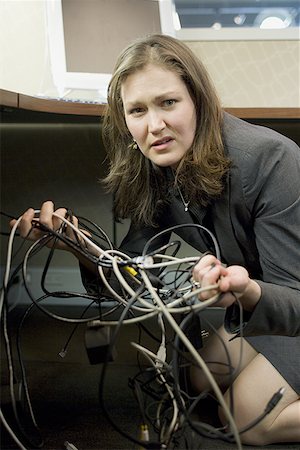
(198, 380)
(258, 435)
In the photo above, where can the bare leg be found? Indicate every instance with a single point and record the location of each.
(252, 389)
(216, 358)
(254, 382)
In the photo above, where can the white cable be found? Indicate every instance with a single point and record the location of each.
(127, 287)
(2, 296)
(133, 320)
(9, 430)
(8, 262)
(193, 292)
(99, 251)
(150, 354)
(153, 358)
(168, 263)
(157, 307)
(197, 357)
(119, 297)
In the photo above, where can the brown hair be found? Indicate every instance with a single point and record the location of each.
(140, 186)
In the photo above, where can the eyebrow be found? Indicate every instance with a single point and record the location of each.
(168, 94)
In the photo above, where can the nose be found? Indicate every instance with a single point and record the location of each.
(156, 122)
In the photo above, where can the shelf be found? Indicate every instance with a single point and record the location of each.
(13, 99)
(60, 106)
(265, 113)
(8, 98)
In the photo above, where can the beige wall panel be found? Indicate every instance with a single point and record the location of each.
(253, 73)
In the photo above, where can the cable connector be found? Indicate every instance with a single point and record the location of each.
(70, 446)
(144, 433)
(274, 400)
(131, 270)
(161, 357)
(62, 353)
(143, 261)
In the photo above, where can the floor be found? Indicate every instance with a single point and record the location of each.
(64, 394)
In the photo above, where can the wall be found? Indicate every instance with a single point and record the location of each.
(24, 59)
(61, 159)
(253, 73)
(246, 73)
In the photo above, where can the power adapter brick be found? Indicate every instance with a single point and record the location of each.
(97, 343)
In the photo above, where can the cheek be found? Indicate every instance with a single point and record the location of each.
(187, 132)
(138, 133)
(135, 129)
(186, 127)
(128, 124)
(191, 128)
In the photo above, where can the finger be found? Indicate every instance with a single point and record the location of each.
(211, 271)
(70, 231)
(12, 223)
(46, 214)
(69, 226)
(209, 277)
(224, 284)
(206, 261)
(58, 219)
(25, 225)
(226, 300)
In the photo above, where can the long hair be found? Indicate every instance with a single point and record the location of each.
(139, 186)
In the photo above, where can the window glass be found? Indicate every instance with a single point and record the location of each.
(264, 14)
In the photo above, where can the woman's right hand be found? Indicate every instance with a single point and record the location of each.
(46, 218)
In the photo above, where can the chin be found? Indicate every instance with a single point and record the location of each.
(166, 162)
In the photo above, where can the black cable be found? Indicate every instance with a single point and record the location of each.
(9, 216)
(102, 235)
(269, 407)
(58, 294)
(200, 428)
(187, 225)
(55, 235)
(79, 249)
(146, 445)
(38, 442)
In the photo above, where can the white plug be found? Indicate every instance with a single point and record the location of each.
(161, 356)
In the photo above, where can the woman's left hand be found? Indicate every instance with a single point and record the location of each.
(233, 281)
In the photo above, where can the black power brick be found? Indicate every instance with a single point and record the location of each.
(97, 343)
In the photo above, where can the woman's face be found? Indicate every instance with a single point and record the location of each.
(160, 114)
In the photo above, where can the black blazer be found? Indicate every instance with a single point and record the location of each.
(256, 223)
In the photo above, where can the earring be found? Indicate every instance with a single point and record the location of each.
(134, 145)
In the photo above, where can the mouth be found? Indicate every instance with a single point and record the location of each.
(161, 143)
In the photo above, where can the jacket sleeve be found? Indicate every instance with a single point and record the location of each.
(270, 175)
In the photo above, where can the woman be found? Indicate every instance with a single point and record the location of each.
(175, 158)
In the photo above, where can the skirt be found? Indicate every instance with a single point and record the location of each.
(283, 352)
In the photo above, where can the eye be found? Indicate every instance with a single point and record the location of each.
(136, 111)
(169, 102)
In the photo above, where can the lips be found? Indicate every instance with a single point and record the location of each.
(161, 142)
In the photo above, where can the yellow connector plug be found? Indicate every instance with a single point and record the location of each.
(131, 271)
(144, 433)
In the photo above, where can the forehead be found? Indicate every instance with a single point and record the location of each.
(152, 81)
